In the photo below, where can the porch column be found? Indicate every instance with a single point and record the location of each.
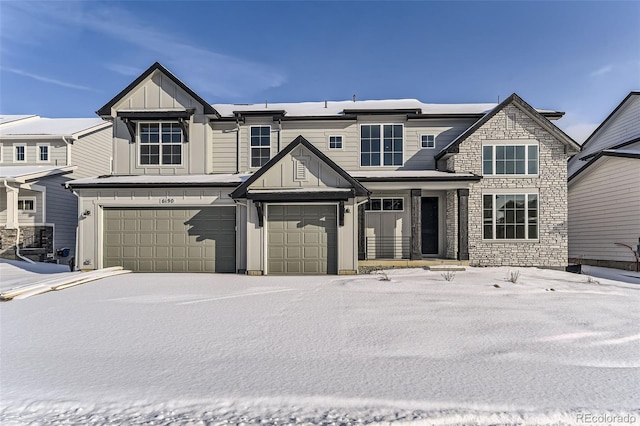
(12, 207)
(463, 224)
(361, 232)
(416, 224)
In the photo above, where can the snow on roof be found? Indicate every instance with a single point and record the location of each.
(31, 172)
(161, 180)
(11, 118)
(408, 174)
(337, 108)
(52, 126)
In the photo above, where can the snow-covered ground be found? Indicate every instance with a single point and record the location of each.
(215, 349)
(17, 273)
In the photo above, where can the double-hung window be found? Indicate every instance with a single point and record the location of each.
(160, 144)
(510, 216)
(43, 153)
(20, 153)
(510, 159)
(260, 145)
(381, 145)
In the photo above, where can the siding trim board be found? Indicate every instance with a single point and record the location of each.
(620, 145)
(605, 153)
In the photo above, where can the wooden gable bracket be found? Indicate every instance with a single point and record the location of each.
(341, 214)
(131, 127)
(184, 125)
(260, 210)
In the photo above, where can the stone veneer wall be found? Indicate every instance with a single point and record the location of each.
(551, 250)
(452, 224)
(30, 237)
(8, 243)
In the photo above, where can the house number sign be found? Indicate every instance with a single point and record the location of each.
(167, 200)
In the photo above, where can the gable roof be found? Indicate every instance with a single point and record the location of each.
(622, 153)
(241, 191)
(610, 116)
(52, 127)
(21, 174)
(106, 109)
(516, 100)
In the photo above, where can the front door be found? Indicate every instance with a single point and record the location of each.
(430, 225)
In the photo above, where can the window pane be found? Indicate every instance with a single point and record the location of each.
(397, 204)
(487, 160)
(171, 154)
(376, 204)
(149, 154)
(533, 159)
(365, 160)
(370, 145)
(520, 231)
(387, 204)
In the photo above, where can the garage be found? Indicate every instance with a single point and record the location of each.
(302, 239)
(170, 239)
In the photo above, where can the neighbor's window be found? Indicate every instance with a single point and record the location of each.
(385, 204)
(510, 217)
(20, 153)
(26, 204)
(427, 141)
(260, 145)
(381, 142)
(43, 153)
(510, 159)
(335, 142)
(160, 144)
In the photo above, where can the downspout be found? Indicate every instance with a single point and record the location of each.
(69, 143)
(237, 145)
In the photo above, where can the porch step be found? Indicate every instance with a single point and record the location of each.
(445, 268)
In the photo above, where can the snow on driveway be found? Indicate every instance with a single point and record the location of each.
(189, 348)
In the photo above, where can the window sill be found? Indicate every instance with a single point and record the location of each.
(510, 176)
(520, 240)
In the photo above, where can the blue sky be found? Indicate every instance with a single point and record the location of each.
(66, 59)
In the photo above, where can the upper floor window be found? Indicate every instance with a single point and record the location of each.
(20, 153)
(335, 142)
(510, 217)
(381, 144)
(27, 204)
(427, 141)
(260, 145)
(160, 144)
(510, 159)
(43, 153)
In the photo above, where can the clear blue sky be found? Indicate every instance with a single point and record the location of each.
(65, 59)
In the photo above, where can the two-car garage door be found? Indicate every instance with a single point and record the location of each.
(170, 239)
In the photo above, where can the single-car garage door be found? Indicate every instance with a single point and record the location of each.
(171, 240)
(302, 239)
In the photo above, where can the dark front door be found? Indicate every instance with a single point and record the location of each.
(430, 225)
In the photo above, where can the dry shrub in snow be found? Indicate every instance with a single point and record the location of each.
(448, 275)
(513, 276)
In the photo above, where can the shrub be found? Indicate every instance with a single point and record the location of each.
(513, 276)
(448, 275)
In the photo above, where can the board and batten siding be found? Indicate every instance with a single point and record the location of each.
(604, 207)
(160, 92)
(92, 154)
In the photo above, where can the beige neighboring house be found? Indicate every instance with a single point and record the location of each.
(604, 191)
(38, 155)
(322, 187)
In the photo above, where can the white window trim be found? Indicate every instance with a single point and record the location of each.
(341, 142)
(251, 166)
(35, 208)
(382, 205)
(139, 144)
(526, 217)
(38, 160)
(493, 159)
(428, 147)
(15, 152)
(381, 125)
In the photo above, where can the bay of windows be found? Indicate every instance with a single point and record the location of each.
(160, 144)
(381, 144)
(510, 216)
(510, 159)
(260, 145)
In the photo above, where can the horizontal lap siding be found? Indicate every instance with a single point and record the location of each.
(62, 210)
(603, 210)
(92, 154)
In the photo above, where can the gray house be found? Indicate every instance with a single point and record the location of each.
(322, 187)
(38, 216)
(604, 191)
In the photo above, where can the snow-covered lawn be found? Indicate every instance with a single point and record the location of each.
(199, 349)
(16, 273)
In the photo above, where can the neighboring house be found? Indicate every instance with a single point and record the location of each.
(37, 156)
(318, 187)
(604, 191)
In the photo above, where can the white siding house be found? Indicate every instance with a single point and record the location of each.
(604, 191)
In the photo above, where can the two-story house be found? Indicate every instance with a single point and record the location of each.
(38, 216)
(317, 187)
(604, 191)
